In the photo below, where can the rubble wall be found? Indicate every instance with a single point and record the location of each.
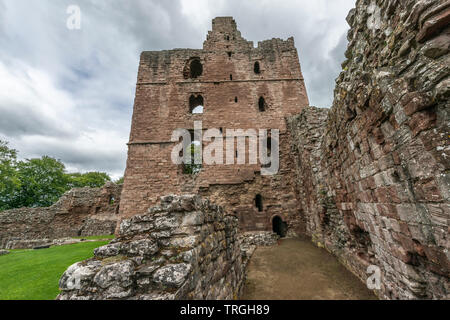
(185, 248)
(79, 212)
(376, 191)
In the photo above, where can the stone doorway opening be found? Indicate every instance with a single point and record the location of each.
(279, 226)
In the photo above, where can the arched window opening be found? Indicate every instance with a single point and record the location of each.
(236, 99)
(195, 69)
(279, 226)
(259, 202)
(262, 104)
(231, 77)
(230, 54)
(196, 104)
(257, 68)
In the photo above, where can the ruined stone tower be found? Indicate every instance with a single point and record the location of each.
(238, 86)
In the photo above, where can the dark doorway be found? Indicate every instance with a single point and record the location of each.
(279, 226)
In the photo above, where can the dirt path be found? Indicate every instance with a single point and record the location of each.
(298, 270)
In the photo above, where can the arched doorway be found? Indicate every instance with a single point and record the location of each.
(279, 226)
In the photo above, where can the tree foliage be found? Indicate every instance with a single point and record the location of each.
(9, 182)
(43, 181)
(120, 180)
(90, 179)
(38, 182)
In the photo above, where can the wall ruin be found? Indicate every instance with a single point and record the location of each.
(373, 174)
(185, 248)
(79, 212)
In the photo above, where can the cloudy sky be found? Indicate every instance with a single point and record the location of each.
(69, 93)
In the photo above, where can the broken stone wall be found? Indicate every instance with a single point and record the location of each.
(381, 195)
(79, 212)
(185, 248)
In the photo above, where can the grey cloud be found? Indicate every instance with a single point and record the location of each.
(18, 120)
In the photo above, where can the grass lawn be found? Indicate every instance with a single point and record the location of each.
(35, 274)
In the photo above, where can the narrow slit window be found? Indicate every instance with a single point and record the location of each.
(259, 203)
(257, 68)
(262, 105)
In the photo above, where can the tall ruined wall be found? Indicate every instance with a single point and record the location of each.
(185, 248)
(381, 194)
(307, 130)
(79, 212)
(231, 89)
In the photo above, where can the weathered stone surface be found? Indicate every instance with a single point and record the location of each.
(79, 212)
(4, 252)
(372, 175)
(147, 264)
(172, 276)
(118, 274)
(259, 238)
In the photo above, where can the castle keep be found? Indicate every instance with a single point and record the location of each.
(238, 86)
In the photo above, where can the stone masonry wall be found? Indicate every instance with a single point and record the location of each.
(381, 192)
(79, 212)
(185, 248)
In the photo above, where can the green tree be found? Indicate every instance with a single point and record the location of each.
(43, 182)
(90, 179)
(120, 181)
(191, 167)
(9, 181)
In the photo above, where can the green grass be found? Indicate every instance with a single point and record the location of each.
(35, 274)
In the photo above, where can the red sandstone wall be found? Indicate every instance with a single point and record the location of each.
(162, 105)
(381, 194)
